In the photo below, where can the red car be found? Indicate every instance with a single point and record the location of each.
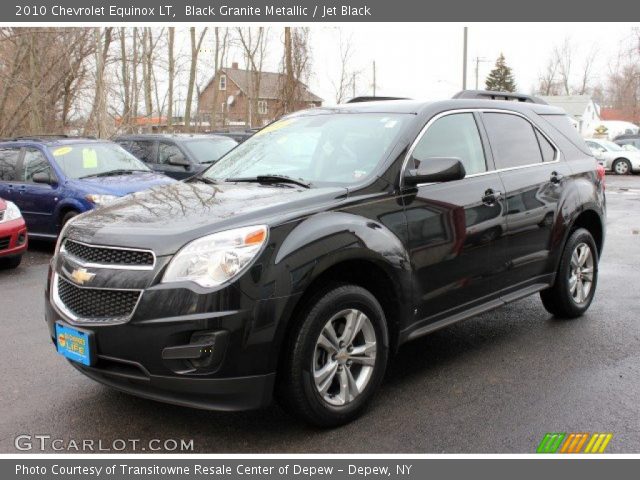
(13, 235)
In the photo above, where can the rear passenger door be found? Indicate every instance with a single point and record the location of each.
(534, 177)
(9, 159)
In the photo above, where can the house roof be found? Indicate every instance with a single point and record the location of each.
(619, 114)
(574, 105)
(270, 84)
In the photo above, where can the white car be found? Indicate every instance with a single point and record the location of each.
(614, 157)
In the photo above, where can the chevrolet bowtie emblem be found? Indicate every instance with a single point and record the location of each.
(80, 276)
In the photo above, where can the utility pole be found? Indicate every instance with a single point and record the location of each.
(464, 60)
(374, 78)
(353, 85)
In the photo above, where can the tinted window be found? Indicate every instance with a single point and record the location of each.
(167, 150)
(34, 162)
(548, 152)
(566, 128)
(9, 163)
(453, 136)
(142, 149)
(513, 140)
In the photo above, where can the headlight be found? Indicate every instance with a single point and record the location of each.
(98, 199)
(216, 259)
(12, 212)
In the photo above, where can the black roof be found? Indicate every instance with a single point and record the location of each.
(160, 136)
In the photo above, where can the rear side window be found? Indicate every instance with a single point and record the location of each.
(9, 164)
(454, 135)
(566, 128)
(548, 151)
(513, 140)
(142, 149)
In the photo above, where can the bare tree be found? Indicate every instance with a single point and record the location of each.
(345, 83)
(548, 81)
(97, 118)
(195, 50)
(221, 38)
(172, 73)
(254, 45)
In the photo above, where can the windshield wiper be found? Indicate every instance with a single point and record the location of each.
(206, 180)
(271, 179)
(112, 173)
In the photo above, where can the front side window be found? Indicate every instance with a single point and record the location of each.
(208, 150)
(513, 140)
(34, 162)
(83, 160)
(455, 136)
(167, 151)
(142, 149)
(9, 164)
(331, 148)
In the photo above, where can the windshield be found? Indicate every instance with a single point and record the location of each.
(80, 160)
(208, 150)
(326, 148)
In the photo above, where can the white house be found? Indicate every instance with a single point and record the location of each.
(580, 108)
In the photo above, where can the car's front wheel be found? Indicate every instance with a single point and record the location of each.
(576, 278)
(336, 357)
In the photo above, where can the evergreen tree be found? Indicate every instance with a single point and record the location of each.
(500, 79)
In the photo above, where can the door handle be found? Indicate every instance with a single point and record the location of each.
(491, 196)
(556, 177)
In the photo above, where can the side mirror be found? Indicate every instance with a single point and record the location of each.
(42, 177)
(178, 160)
(435, 169)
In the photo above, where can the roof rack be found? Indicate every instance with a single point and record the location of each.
(374, 99)
(489, 95)
(48, 136)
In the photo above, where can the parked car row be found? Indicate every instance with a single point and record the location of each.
(622, 160)
(51, 179)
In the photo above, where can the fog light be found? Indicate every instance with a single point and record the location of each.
(204, 352)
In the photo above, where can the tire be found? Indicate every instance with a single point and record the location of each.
(66, 217)
(10, 263)
(339, 397)
(563, 300)
(621, 167)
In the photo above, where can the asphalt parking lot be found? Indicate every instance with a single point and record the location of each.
(494, 383)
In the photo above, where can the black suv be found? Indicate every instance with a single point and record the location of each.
(177, 155)
(300, 261)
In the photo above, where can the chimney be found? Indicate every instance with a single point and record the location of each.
(234, 65)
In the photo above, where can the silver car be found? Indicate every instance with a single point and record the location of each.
(613, 157)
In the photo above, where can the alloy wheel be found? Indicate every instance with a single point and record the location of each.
(581, 273)
(344, 357)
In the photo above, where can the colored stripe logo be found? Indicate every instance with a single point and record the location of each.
(574, 443)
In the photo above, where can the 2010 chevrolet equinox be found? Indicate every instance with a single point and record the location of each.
(296, 264)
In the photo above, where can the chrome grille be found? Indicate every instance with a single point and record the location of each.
(109, 256)
(95, 304)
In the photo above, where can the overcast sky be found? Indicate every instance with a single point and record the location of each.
(424, 60)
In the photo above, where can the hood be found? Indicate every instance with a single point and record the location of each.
(123, 184)
(166, 218)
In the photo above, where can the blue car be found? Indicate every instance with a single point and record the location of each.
(54, 179)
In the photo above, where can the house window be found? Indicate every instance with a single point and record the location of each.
(223, 82)
(262, 107)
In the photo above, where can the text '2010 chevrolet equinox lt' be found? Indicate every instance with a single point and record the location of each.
(294, 266)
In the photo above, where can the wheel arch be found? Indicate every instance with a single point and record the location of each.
(590, 220)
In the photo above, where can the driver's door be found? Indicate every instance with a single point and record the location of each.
(456, 228)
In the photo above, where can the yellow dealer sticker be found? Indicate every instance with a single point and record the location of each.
(58, 152)
(275, 126)
(89, 158)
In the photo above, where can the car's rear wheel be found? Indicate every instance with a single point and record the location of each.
(576, 279)
(336, 357)
(621, 167)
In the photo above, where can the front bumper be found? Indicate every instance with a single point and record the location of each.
(139, 356)
(16, 233)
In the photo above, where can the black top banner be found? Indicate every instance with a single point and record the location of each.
(234, 11)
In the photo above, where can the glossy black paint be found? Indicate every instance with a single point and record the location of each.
(433, 254)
